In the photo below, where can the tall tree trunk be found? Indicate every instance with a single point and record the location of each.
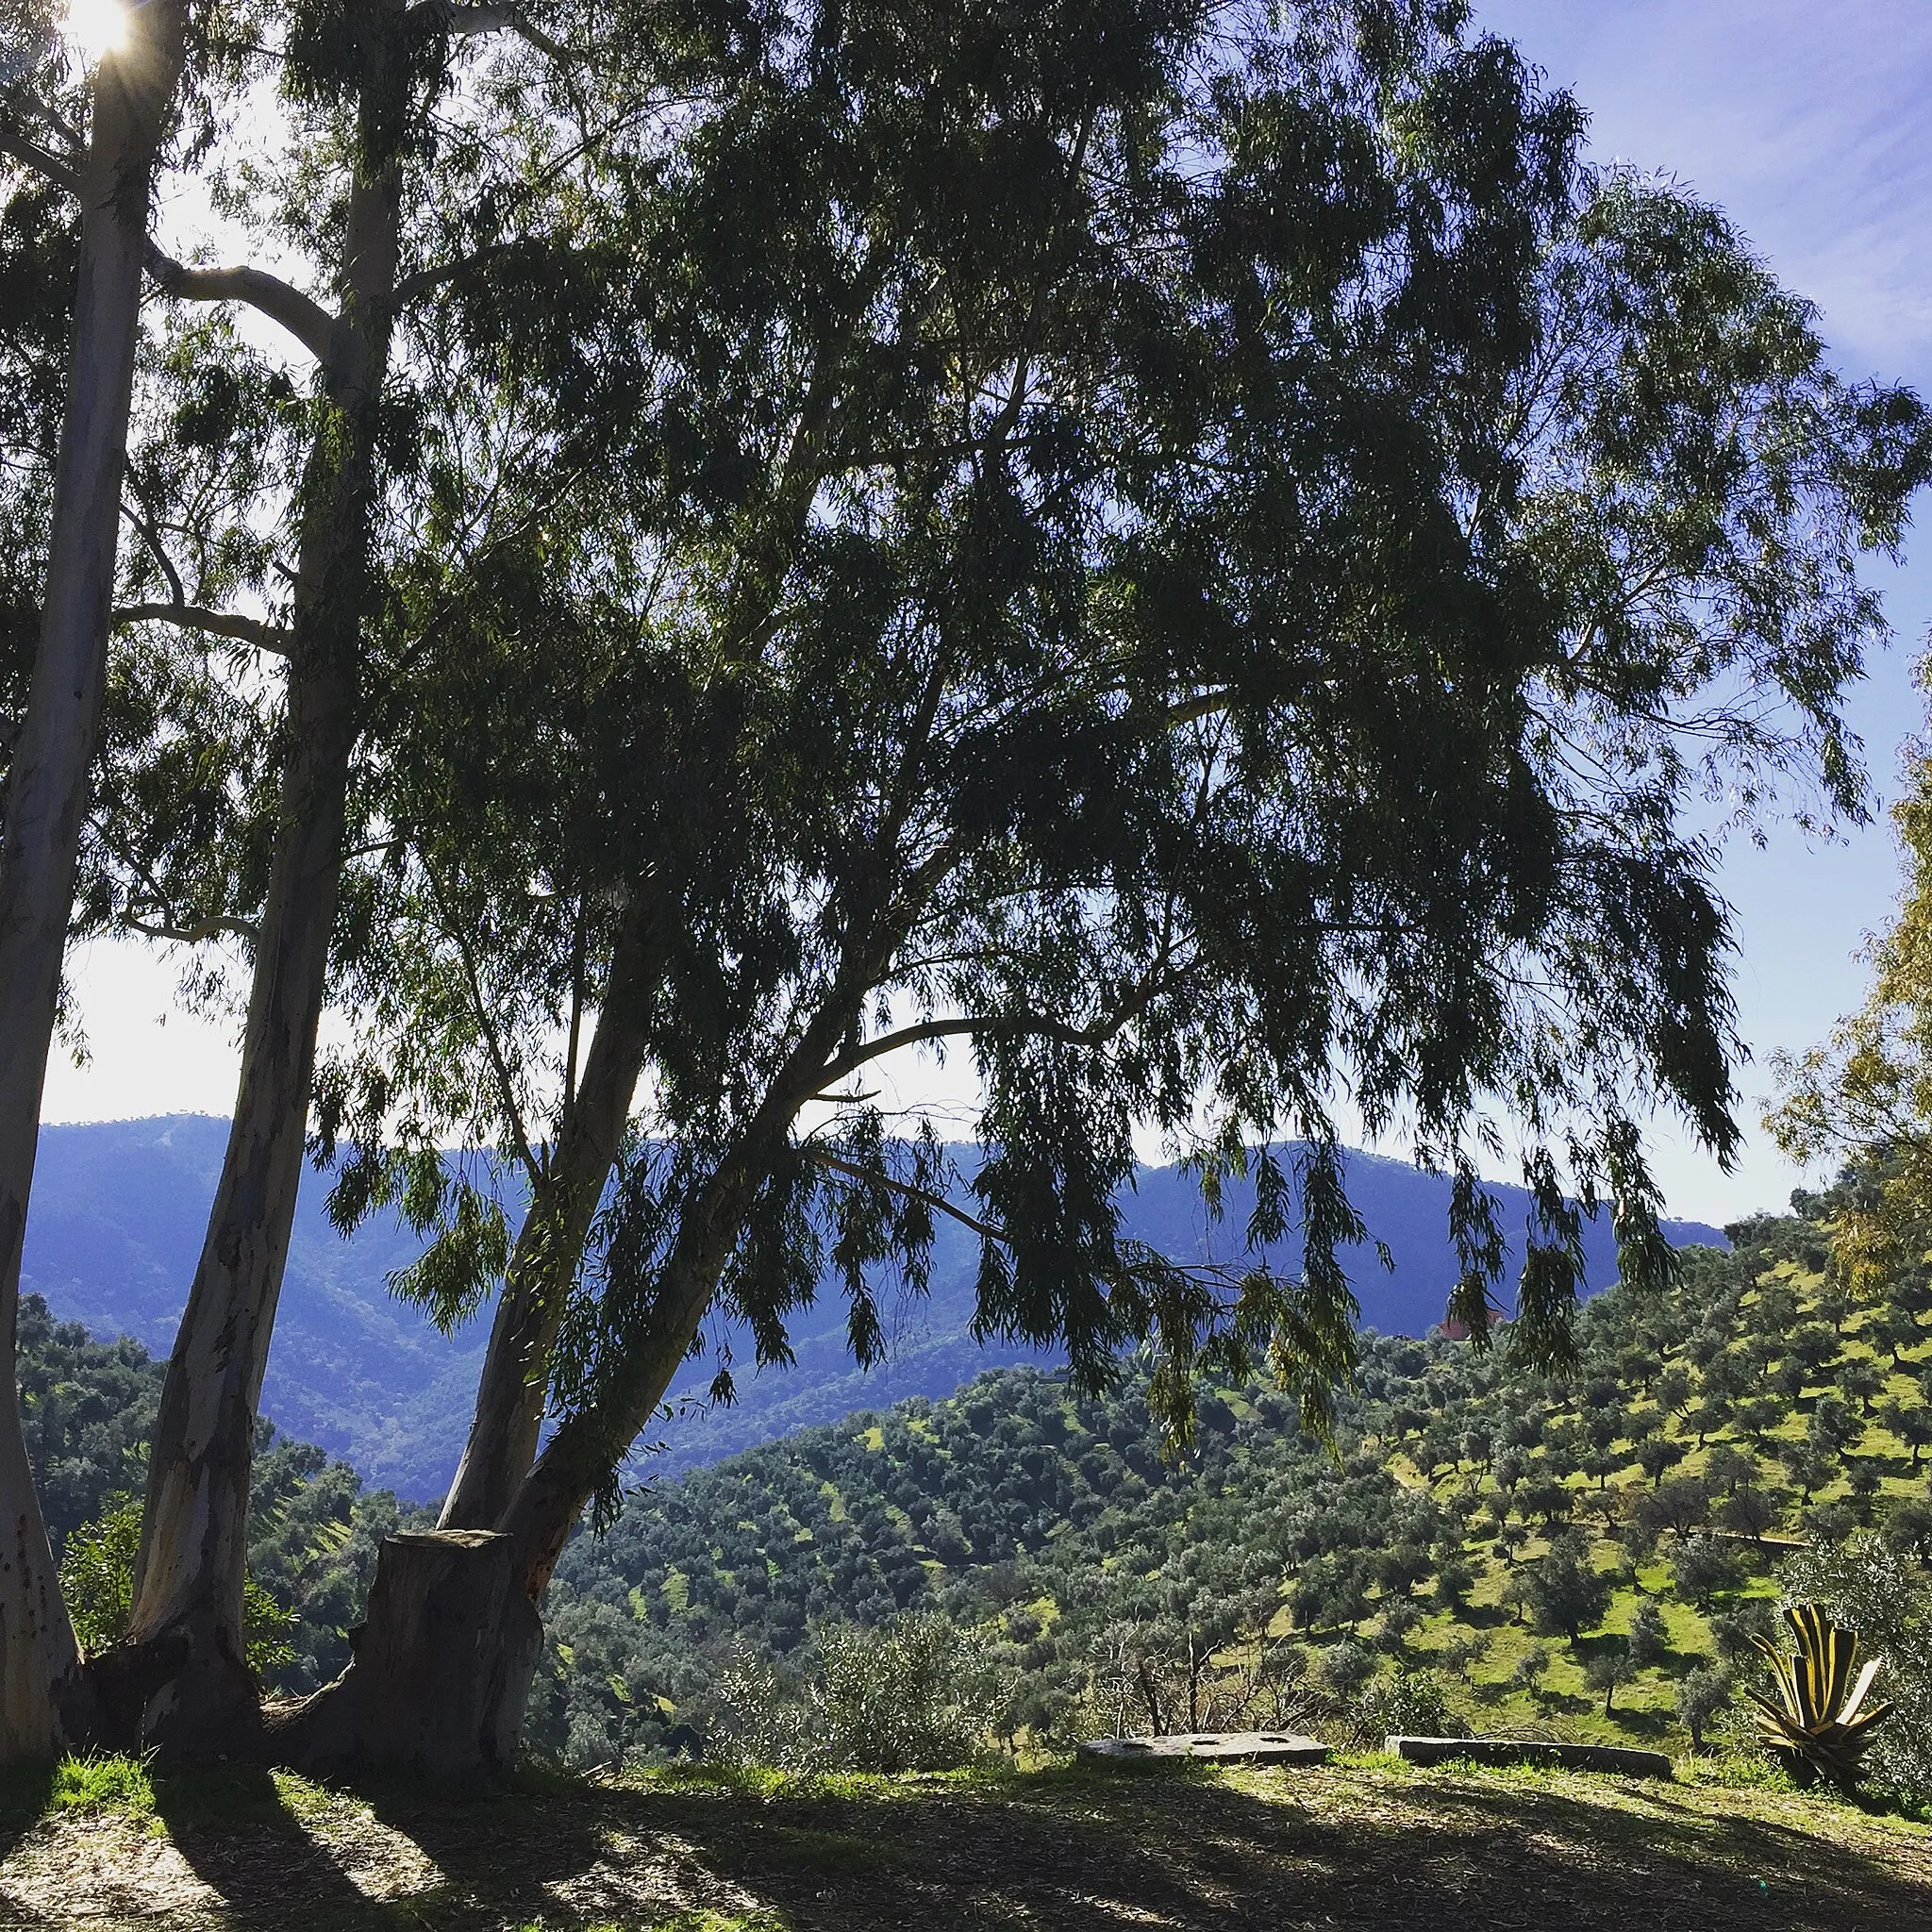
(182, 1681)
(575, 1464)
(515, 1383)
(428, 1607)
(47, 791)
(594, 1441)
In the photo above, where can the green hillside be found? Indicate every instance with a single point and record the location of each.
(87, 1412)
(1584, 1555)
(121, 1210)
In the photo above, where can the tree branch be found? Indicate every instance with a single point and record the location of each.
(221, 624)
(1096, 1034)
(156, 549)
(193, 935)
(306, 319)
(31, 153)
(424, 280)
(466, 22)
(505, 1087)
(821, 1158)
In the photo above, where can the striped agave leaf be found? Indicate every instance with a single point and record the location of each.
(1820, 1723)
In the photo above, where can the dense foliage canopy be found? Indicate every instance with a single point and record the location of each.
(1189, 556)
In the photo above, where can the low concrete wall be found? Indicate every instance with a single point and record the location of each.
(1619, 1758)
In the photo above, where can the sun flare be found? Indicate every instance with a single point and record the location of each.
(97, 28)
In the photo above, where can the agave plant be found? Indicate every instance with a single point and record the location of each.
(1821, 1724)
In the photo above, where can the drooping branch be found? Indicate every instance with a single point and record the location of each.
(1044, 1025)
(532, 1163)
(304, 318)
(409, 287)
(823, 1157)
(221, 624)
(194, 935)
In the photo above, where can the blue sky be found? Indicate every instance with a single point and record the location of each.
(1806, 122)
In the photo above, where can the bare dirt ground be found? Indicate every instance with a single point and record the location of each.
(1354, 1846)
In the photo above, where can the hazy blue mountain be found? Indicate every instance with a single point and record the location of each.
(119, 1209)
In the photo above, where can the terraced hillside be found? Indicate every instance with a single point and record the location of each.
(1586, 1555)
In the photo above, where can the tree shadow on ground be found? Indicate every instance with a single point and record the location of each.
(1086, 1852)
(1072, 1851)
(240, 1838)
(217, 1838)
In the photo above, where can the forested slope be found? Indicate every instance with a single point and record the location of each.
(1586, 1552)
(88, 1409)
(120, 1210)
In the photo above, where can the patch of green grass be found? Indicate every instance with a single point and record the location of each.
(302, 1798)
(103, 1782)
(1738, 1771)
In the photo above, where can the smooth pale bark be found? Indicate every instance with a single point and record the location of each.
(48, 791)
(188, 1675)
(515, 1383)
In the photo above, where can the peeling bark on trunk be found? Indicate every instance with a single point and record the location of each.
(442, 1667)
(196, 1693)
(47, 797)
(515, 1383)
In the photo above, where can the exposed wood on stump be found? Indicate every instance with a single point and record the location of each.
(441, 1666)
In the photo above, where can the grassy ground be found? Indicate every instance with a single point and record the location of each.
(1367, 1843)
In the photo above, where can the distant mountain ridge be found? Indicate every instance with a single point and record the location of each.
(120, 1206)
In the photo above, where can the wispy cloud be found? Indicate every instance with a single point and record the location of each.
(1808, 121)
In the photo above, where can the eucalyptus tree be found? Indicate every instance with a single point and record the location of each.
(409, 142)
(1191, 557)
(128, 109)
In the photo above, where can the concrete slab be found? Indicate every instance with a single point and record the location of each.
(1212, 1748)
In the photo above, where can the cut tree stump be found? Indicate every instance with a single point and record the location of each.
(440, 1667)
(1619, 1758)
(1213, 1747)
